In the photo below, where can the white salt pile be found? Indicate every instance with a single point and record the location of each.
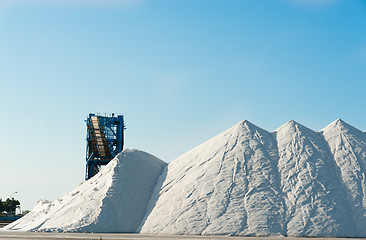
(114, 200)
(245, 181)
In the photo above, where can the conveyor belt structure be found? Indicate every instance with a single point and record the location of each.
(104, 141)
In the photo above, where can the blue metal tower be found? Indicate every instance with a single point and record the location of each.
(104, 140)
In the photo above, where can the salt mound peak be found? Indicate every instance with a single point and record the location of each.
(108, 202)
(291, 125)
(236, 129)
(340, 126)
(339, 123)
(246, 123)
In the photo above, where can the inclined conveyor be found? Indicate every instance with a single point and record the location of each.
(104, 141)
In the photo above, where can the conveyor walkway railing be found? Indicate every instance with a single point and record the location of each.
(98, 139)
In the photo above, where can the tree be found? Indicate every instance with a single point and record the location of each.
(2, 207)
(9, 205)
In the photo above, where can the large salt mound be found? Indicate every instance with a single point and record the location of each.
(228, 185)
(315, 202)
(112, 201)
(247, 181)
(348, 147)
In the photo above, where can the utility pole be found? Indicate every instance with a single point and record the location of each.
(11, 195)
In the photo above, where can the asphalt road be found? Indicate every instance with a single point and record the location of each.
(11, 235)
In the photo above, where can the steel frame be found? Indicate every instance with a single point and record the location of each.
(104, 132)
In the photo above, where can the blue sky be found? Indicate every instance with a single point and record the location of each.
(180, 71)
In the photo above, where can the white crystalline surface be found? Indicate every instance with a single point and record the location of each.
(348, 147)
(245, 181)
(112, 201)
(316, 205)
(228, 185)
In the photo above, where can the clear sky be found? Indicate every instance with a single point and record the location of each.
(180, 71)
